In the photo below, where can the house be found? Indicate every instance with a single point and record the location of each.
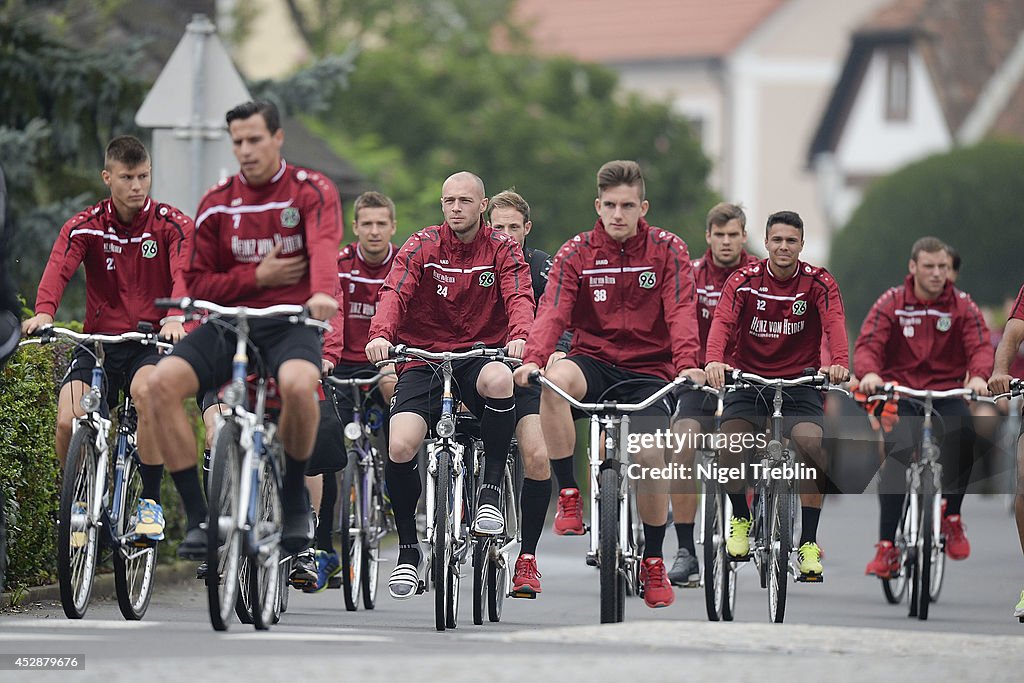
(752, 75)
(921, 77)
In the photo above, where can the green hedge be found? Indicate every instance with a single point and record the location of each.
(29, 469)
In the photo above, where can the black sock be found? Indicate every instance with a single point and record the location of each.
(404, 487)
(563, 469)
(206, 473)
(739, 505)
(891, 508)
(953, 503)
(809, 524)
(151, 476)
(408, 542)
(496, 428)
(654, 538)
(187, 483)
(684, 533)
(293, 486)
(325, 522)
(536, 498)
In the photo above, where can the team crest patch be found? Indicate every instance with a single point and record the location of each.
(943, 324)
(799, 307)
(149, 249)
(486, 278)
(648, 279)
(289, 217)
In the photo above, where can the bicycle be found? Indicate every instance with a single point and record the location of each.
(362, 520)
(615, 549)
(245, 512)
(453, 466)
(919, 540)
(94, 502)
(775, 495)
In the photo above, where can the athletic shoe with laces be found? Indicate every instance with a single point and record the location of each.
(738, 543)
(657, 590)
(957, 545)
(327, 566)
(569, 516)
(303, 570)
(526, 578)
(149, 520)
(1018, 611)
(194, 545)
(810, 558)
(887, 561)
(685, 570)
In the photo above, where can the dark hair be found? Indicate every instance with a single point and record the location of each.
(791, 218)
(267, 109)
(509, 199)
(373, 200)
(955, 256)
(929, 245)
(127, 150)
(615, 173)
(722, 213)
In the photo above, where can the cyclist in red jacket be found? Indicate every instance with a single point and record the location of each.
(770, 321)
(926, 334)
(452, 285)
(266, 236)
(626, 290)
(135, 250)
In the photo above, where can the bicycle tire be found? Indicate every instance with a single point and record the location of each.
(76, 564)
(497, 567)
(612, 582)
(895, 588)
(350, 528)
(938, 567)
(134, 566)
(243, 596)
(441, 549)
(781, 545)
(480, 589)
(762, 524)
(376, 527)
(715, 565)
(928, 494)
(223, 541)
(282, 592)
(265, 571)
(469, 505)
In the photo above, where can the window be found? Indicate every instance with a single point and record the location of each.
(897, 84)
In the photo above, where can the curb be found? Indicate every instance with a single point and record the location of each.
(102, 587)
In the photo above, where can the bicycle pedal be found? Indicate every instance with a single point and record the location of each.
(422, 588)
(530, 595)
(741, 558)
(810, 578)
(334, 582)
(591, 560)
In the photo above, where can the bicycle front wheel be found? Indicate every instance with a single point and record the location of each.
(441, 552)
(134, 565)
(77, 534)
(781, 540)
(223, 540)
(350, 528)
(265, 555)
(613, 584)
(716, 572)
(926, 544)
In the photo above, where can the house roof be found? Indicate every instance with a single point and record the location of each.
(302, 148)
(608, 31)
(962, 42)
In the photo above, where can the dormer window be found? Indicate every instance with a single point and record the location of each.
(897, 84)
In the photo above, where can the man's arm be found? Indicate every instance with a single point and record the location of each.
(678, 298)
(556, 306)
(869, 350)
(723, 324)
(516, 289)
(324, 231)
(1013, 335)
(833, 320)
(65, 257)
(398, 288)
(977, 342)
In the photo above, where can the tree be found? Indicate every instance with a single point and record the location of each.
(971, 198)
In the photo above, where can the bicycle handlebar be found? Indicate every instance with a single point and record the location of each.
(609, 406)
(47, 333)
(890, 390)
(401, 353)
(357, 381)
(295, 313)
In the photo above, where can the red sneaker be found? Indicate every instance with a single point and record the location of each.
(957, 545)
(887, 561)
(527, 578)
(657, 588)
(569, 517)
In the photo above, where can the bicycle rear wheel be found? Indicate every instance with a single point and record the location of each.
(350, 528)
(265, 556)
(134, 565)
(927, 541)
(376, 526)
(77, 536)
(3, 540)
(223, 540)
(781, 545)
(895, 588)
(613, 584)
(443, 496)
(282, 588)
(243, 601)
(497, 576)
(715, 563)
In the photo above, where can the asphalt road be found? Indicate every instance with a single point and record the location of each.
(842, 629)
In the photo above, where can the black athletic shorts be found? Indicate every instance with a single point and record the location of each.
(419, 389)
(210, 348)
(696, 405)
(120, 363)
(527, 401)
(799, 404)
(609, 383)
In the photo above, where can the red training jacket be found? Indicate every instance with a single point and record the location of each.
(777, 325)
(631, 304)
(710, 280)
(443, 295)
(127, 267)
(359, 285)
(924, 344)
(238, 224)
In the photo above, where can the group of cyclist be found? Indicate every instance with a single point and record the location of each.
(620, 310)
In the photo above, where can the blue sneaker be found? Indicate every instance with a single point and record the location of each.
(327, 566)
(149, 520)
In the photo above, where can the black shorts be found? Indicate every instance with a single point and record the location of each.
(696, 405)
(419, 389)
(609, 383)
(210, 348)
(527, 401)
(120, 363)
(799, 404)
